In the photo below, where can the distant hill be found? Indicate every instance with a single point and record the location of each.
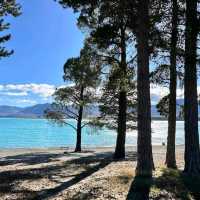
(36, 111)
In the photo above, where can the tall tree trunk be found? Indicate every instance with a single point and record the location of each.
(79, 123)
(144, 146)
(192, 151)
(171, 154)
(121, 130)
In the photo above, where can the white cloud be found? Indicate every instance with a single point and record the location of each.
(43, 90)
(14, 93)
(159, 91)
(42, 93)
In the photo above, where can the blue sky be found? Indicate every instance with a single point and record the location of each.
(43, 37)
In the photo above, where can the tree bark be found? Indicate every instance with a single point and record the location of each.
(121, 130)
(171, 154)
(144, 146)
(79, 123)
(192, 151)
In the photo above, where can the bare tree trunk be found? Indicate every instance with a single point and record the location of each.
(144, 146)
(192, 151)
(79, 124)
(121, 130)
(171, 154)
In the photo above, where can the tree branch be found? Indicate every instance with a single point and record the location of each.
(70, 125)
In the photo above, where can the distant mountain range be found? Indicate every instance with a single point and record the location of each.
(37, 111)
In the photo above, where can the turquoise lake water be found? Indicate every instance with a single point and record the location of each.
(25, 133)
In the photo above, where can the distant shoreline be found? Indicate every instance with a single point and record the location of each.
(71, 148)
(84, 148)
(13, 117)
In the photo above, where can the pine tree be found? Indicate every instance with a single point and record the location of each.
(109, 102)
(7, 7)
(144, 146)
(192, 151)
(72, 101)
(107, 23)
(114, 39)
(171, 51)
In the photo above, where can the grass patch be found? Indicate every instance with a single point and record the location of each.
(155, 191)
(170, 184)
(125, 176)
(166, 184)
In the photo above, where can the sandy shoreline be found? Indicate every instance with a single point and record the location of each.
(14, 151)
(58, 173)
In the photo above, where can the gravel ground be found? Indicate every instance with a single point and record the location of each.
(58, 173)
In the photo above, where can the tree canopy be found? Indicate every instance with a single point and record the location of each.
(7, 7)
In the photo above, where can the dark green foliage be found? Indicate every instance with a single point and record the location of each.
(109, 102)
(7, 7)
(161, 75)
(77, 4)
(166, 74)
(72, 101)
(82, 74)
(162, 53)
(163, 106)
(157, 30)
(106, 23)
(84, 70)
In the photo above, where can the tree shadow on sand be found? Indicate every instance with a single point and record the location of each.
(63, 174)
(70, 170)
(98, 161)
(169, 184)
(92, 164)
(36, 158)
(30, 158)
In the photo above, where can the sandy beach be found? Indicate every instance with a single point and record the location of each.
(58, 173)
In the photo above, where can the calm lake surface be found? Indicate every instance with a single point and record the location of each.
(25, 133)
